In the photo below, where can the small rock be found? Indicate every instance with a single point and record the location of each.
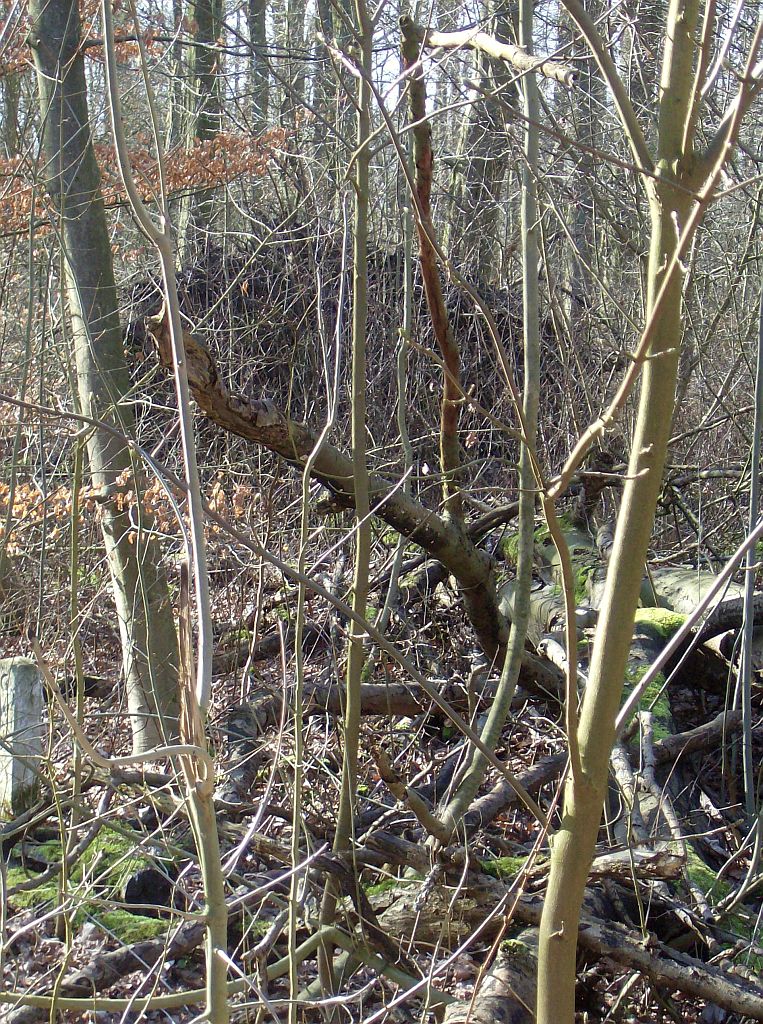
(148, 886)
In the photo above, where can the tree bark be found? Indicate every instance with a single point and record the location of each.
(573, 844)
(256, 13)
(259, 420)
(203, 115)
(73, 181)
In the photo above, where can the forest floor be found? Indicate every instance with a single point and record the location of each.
(43, 944)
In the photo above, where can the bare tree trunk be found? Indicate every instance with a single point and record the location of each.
(573, 844)
(355, 654)
(140, 590)
(203, 113)
(589, 100)
(10, 89)
(483, 160)
(259, 72)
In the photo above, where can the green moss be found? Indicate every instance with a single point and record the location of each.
(655, 692)
(125, 926)
(389, 884)
(503, 867)
(514, 947)
(742, 925)
(108, 863)
(704, 877)
(510, 543)
(130, 928)
(660, 621)
(584, 569)
(43, 894)
(510, 548)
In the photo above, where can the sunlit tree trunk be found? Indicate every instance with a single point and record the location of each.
(572, 847)
(73, 181)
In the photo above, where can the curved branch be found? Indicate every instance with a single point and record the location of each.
(261, 421)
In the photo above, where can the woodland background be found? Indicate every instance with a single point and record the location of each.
(346, 618)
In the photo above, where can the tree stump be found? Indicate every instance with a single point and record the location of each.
(22, 734)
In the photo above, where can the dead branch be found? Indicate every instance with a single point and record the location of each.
(514, 56)
(259, 420)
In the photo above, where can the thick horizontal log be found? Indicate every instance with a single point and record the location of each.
(443, 919)
(507, 994)
(668, 968)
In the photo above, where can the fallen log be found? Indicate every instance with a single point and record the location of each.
(507, 993)
(669, 969)
(481, 904)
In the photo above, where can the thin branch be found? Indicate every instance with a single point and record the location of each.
(628, 118)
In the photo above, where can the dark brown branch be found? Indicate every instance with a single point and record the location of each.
(261, 421)
(666, 750)
(450, 454)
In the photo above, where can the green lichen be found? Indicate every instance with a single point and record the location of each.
(660, 621)
(503, 867)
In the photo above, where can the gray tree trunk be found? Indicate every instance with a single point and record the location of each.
(203, 115)
(259, 71)
(73, 181)
(10, 91)
(483, 160)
